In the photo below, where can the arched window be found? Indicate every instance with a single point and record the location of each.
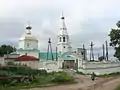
(63, 39)
(60, 39)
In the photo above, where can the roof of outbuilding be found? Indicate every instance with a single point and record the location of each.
(26, 58)
(14, 53)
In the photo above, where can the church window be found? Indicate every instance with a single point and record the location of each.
(28, 44)
(82, 53)
(63, 39)
(64, 47)
(60, 39)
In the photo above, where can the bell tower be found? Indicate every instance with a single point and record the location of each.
(63, 44)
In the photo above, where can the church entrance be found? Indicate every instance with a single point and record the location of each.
(69, 64)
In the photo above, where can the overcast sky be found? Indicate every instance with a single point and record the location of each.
(86, 20)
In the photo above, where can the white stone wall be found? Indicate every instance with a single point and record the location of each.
(2, 61)
(49, 65)
(32, 64)
(21, 44)
(52, 65)
(100, 67)
(11, 56)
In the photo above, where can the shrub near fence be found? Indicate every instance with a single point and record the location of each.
(62, 77)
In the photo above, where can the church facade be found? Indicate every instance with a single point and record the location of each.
(64, 58)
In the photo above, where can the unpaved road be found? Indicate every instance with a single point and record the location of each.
(85, 83)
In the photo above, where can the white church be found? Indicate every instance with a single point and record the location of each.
(65, 57)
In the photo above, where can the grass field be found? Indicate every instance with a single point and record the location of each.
(118, 88)
(42, 80)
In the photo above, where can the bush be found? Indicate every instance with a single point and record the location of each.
(109, 75)
(62, 77)
(118, 88)
(42, 72)
(4, 82)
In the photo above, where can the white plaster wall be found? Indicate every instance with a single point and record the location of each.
(61, 47)
(21, 44)
(52, 66)
(100, 68)
(2, 61)
(32, 64)
(11, 56)
(33, 44)
(60, 64)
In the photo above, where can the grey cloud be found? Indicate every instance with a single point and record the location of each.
(10, 29)
(93, 28)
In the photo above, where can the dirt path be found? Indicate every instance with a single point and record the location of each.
(109, 85)
(85, 83)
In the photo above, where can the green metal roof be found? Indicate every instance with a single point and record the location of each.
(14, 53)
(28, 49)
(43, 55)
(67, 58)
(48, 61)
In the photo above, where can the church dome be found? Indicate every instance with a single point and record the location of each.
(28, 35)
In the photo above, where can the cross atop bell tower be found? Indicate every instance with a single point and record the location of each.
(63, 27)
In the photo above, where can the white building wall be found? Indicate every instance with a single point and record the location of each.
(28, 44)
(32, 64)
(100, 67)
(2, 61)
(21, 44)
(80, 51)
(51, 65)
(33, 44)
(12, 56)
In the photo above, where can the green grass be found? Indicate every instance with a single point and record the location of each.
(109, 75)
(54, 78)
(118, 88)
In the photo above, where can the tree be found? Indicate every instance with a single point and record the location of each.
(6, 49)
(115, 40)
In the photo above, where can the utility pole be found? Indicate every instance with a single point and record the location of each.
(106, 50)
(98, 56)
(84, 52)
(56, 54)
(91, 52)
(103, 47)
(49, 47)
